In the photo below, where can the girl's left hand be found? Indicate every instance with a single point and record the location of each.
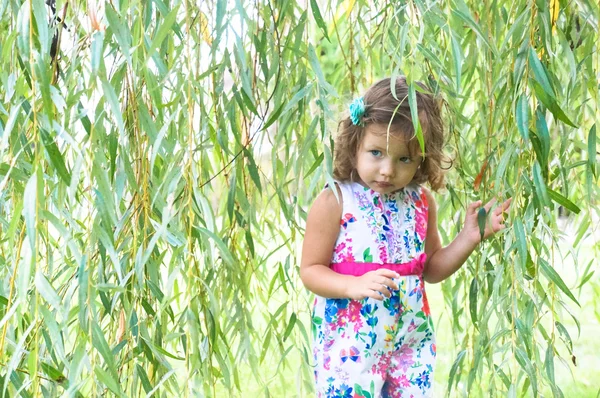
(494, 220)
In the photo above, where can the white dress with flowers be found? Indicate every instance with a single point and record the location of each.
(372, 348)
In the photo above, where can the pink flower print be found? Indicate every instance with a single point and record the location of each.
(426, 310)
(412, 326)
(342, 319)
(327, 362)
(358, 325)
(383, 254)
(339, 248)
(421, 223)
(354, 308)
(403, 381)
(343, 251)
(382, 365)
(404, 357)
(354, 311)
(354, 315)
(421, 216)
(348, 257)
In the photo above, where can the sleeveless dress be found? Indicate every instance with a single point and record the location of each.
(372, 348)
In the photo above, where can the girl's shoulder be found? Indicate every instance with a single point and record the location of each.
(330, 199)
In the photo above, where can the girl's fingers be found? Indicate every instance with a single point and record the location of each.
(503, 207)
(388, 282)
(388, 273)
(372, 294)
(375, 295)
(489, 205)
(472, 209)
(380, 288)
(506, 204)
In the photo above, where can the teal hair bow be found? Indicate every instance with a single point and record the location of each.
(357, 110)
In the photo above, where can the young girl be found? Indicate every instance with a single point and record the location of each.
(371, 242)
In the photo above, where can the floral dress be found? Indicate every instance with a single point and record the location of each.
(372, 348)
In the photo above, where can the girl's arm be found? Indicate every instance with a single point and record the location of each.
(444, 261)
(322, 230)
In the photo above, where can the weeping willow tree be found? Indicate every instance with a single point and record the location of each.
(157, 160)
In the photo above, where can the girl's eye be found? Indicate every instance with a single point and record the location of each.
(405, 159)
(375, 153)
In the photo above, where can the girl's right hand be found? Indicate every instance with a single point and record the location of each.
(374, 284)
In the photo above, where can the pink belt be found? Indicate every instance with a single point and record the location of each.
(413, 267)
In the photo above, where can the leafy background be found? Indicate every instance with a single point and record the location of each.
(158, 158)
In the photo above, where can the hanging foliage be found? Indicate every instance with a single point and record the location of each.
(157, 159)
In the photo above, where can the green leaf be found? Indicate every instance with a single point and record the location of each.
(163, 31)
(225, 252)
(52, 372)
(120, 31)
(561, 200)
(540, 73)
(100, 344)
(300, 94)
(522, 116)
(143, 378)
(318, 18)
(481, 221)
(555, 278)
(551, 104)
(540, 185)
(96, 50)
(367, 257)
(47, 291)
(253, 169)
(549, 363)
(82, 279)
(592, 151)
(30, 210)
(113, 101)
(564, 335)
(274, 117)
(108, 380)
(316, 67)
(414, 115)
(457, 58)
(454, 369)
(41, 21)
(475, 26)
(56, 158)
(473, 290)
(290, 326)
(543, 136)
(521, 241)
(525, 363)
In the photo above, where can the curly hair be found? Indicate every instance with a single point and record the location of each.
(380, 108)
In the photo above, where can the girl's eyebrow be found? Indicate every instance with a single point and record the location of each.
(370, 147)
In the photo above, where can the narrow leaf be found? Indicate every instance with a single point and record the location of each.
(561, 200)
(318, 18)
(46, 290)
(553, 276)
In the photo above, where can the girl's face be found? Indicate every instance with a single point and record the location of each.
(385, 164)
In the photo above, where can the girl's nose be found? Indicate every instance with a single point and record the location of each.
(387, 169)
